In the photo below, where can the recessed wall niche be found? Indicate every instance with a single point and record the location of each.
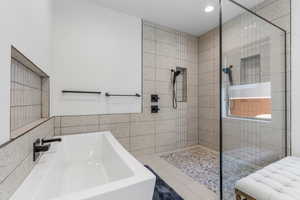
(29, 102)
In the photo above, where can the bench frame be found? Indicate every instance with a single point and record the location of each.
(242, 196)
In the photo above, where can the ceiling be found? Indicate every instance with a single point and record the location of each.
(183, 15)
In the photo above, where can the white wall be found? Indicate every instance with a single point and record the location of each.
(295, 77)
(95, 49)
(25, 25)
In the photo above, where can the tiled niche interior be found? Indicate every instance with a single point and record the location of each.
(29, 104)
(30, 120)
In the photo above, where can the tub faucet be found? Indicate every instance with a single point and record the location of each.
(50, 140)
(38, 148)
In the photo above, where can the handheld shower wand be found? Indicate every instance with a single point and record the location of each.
(228, 71)
(174, 75)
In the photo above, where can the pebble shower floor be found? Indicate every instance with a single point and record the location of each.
(202, 165)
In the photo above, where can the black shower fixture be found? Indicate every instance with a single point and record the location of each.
(174, 75)
(154, 98)
(228, 71)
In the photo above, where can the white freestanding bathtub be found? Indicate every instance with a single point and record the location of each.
(90, 166)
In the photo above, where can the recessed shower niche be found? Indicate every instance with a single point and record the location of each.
(29, 102)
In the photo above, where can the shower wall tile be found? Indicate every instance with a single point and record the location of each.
(163, 75)
(146, 133)
(125, 142)
(57, 122)
(149, 73)
(147, 102)
(239, 133)
(165, 139)
(166, 148)
(68, 121)
(166, 126)
(144, 151)
(166, 113)
(72, 130)
(167, 37)
(149, 46)
(143, 117)
(166, 62)
(142, 142)
(168, 50)
(45, 97)
(163, 88)
(149, 87)
(117, 118)
(149, 33)
(119, 130)
(149, 60)
(274, 10)
(142, 128)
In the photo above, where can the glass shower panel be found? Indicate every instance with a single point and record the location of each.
(253, 100)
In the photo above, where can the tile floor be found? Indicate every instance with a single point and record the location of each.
(202, 165)
(194, 171)
(184, 185)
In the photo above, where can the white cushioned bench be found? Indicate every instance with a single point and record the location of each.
(278, 181)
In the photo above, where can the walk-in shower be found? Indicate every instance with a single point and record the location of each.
(242, 99)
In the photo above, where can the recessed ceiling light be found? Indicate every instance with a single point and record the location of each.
(209, 8)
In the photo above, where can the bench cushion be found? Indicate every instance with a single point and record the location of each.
(278, 181)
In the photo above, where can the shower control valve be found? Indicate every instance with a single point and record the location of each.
(154, 98)
(154, 109)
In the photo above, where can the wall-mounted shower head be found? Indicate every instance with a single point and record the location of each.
(175, 73)
(228, 71)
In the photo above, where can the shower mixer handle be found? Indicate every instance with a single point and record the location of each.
(154, 98)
